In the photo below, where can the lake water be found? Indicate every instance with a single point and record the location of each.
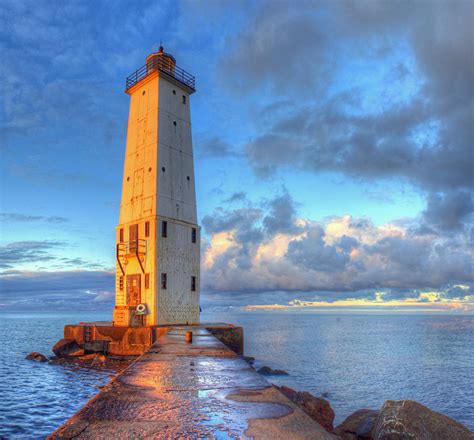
(357, 361)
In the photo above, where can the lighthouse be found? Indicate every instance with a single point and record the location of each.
(157, 238)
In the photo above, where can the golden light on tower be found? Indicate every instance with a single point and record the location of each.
(157, 250)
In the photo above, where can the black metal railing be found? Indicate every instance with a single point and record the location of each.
(164, 65)
(133, 248)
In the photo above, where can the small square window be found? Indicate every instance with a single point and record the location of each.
(164, 229)
(184, 99)
(193, 284)
(147, 281)
(163, 281)
(147, 229)
(193, 235)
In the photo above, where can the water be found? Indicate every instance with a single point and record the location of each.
(36, 398)
(358, 361)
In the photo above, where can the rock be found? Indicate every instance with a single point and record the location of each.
(407, 419)
(58, 361)
(99, 359)
(94, 357)
(358, 426)
(67, 348)
(249, 359)
(267, 371)
(288, 392)
(37, 357)
(318, 409)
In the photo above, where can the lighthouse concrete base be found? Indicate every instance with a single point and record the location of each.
(104, 337)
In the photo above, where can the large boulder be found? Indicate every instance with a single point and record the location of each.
(67, 348)
(317, 408)
(358, 426)
(407, 419)
(37, 357)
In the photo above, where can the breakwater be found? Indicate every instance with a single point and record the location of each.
(201, 389)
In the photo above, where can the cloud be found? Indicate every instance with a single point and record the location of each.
(46, 290)
(282, 214)
(326, 61)
(339, 255)
(16, 217)
(236, 197)
(216, 147)
(20, 252)
(449, 210)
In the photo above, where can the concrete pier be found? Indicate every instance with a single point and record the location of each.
(200, 389)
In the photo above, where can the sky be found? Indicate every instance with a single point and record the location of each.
(333, 145)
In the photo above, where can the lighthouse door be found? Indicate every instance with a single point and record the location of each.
(133, 290)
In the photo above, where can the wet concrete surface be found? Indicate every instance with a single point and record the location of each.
(198, 390)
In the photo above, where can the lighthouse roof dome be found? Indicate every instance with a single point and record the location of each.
(161, 53)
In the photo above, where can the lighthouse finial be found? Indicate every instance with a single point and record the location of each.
(161, 46)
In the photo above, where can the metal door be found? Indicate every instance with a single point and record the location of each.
(134, 296)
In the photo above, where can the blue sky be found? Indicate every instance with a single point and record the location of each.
(333, 149)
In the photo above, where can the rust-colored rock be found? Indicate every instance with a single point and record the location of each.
(67, 348)
(407, 419)
(317, 408)
(37, 357)
(288, 392)
(358, 426)
(94, 357)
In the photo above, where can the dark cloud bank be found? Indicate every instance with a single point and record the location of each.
(425, 138)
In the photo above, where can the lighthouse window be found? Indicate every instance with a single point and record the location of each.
(163, 280)
(143, 93)
(121, 235)
(147, 281)
(163, 169)
(147, 229)
(174, 92)
(193, 284)
(164, 229)
(120, 283)
(184, 99)
(174, 123)
(193, 235)
(188, 179)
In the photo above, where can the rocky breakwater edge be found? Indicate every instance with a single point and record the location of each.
(68, 352)
(395, 420)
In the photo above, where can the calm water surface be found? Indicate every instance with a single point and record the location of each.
(358, 361)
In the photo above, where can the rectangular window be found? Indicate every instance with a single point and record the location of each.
(184, 99)
(133, 238)
(121, 235)
(193, 235)
(163, 281)
(164, 229)
(193, 284)
(147, 229)
(120, 283)
(147, 281)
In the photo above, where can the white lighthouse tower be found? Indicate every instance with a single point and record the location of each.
(157, 250)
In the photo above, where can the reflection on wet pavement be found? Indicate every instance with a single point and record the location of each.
(197, 390)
